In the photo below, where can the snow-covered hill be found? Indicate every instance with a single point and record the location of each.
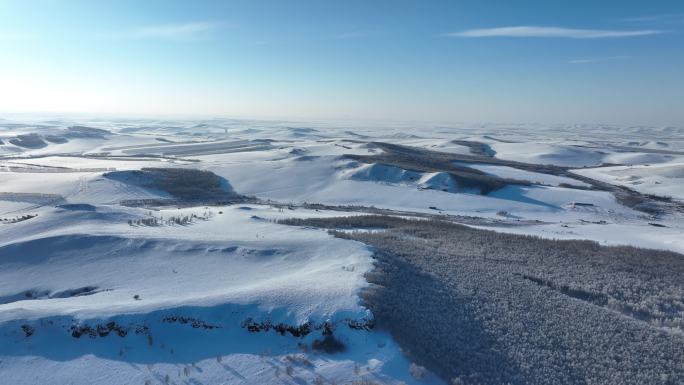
(111, 272)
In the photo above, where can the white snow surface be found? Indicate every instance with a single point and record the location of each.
(545, 153)
(660, 179)
(230, 258)
(77, 260)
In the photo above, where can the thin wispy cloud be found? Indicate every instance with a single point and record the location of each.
(177, 32)
(584, 61)
(551, 32)
(597, 59)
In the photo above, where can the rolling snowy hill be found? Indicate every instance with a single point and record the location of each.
(140, 251)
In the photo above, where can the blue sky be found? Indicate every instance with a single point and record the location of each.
(451, 61)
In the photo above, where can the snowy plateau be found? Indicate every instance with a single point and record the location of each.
(139, 251)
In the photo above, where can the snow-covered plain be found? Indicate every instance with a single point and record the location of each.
(71, 256)
(664, 179)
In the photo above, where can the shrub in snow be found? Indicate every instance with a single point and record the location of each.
(329, 344)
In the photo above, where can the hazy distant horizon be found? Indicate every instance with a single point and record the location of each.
(442, 61)
(80, 117)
